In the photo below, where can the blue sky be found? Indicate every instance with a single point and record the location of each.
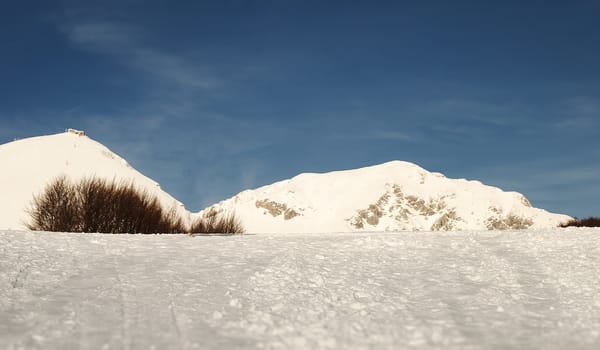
(213, 97)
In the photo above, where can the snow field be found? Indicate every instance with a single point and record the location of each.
(463, 290)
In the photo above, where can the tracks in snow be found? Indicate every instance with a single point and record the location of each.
(425, 290)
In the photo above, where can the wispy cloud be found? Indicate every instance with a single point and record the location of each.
(198, 164)
(584, 105)
(169, 133)
(553, 183)
(174, 69)
(125, 44)
(379, 135)
(581, 112)
(550, 170)
(392, 135)
(463, 119)
(569, 175)
(383, 135)
(575, 122)
(101, 36)
(492, 114)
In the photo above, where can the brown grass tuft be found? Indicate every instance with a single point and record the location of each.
(213, 222)
(97, 205)
(587, 222)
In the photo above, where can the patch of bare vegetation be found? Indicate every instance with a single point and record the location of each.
(215, 222)
(587, 222)
(97, 205)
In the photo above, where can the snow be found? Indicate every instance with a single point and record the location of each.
(394, 196)
(332, 202)
(32, 163)
(428, 290)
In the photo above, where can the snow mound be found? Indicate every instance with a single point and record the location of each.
(30, 164)
(394, 196)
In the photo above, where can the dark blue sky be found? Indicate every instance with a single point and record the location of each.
(211, 98)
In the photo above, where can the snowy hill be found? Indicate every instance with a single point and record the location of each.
(395, 196)
(29, 164)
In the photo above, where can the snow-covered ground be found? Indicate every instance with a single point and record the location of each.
(463, 290)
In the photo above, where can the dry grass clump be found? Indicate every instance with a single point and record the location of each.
(587, 222)
(97, 205)
(212, 222)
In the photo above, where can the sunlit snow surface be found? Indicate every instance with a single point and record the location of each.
(465, 290)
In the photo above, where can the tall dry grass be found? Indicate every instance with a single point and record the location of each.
(214, 222)
(98, 205)
(587, 222)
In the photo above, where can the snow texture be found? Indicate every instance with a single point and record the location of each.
(428, 290)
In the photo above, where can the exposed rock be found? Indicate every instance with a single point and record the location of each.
(373, 213)
(276, 209)
(290, 214)
(510, 222)
(446, 222)
(507, 222)
(395, 205)
(525, 202)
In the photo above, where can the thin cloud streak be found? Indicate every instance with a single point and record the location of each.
(492, 114)
(575, 123)
(584, 105)
(379, 135)
(123, 43)
(555, 181)
(392, 135)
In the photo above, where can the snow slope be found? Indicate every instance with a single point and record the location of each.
(388, 197)
(433, 290)
(29, 164)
